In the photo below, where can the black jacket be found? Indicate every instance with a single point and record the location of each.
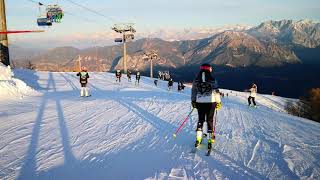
(118, 74)
(83, 77)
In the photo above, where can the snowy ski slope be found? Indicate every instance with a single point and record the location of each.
(125, 131)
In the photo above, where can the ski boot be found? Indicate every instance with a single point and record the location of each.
(211, 139)
(81, 92)
(199, 138)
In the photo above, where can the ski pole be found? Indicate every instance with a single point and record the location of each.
(215, 122)
(184, 121)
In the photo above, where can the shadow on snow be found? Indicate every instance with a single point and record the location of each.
(122, 164)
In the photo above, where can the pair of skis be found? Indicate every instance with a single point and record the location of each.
(86, 96)
(195, 149)
(205, 135)
(208, 152)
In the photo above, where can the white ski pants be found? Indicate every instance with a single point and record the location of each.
(84, 91)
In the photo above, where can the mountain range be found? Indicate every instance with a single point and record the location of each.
(303, 33)
(271, 44)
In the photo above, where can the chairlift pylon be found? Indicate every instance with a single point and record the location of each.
(129, 36)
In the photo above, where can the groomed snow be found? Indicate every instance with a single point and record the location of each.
(125, 131)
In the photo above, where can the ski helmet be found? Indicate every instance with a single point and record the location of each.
(83, 68)
(206, 67)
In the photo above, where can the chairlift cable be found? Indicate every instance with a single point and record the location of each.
(34, 1)
(82, 18)
(93, 11)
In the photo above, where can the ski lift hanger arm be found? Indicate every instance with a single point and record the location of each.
(23, 31)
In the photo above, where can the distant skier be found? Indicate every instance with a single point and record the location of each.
(167, 76)
(118, 75)
(129, 75)
(170, 84)
(137, 78)
(205, 97)
(253, 94)
(159, 75)
(84, 75)
(180, 86)
(155, 82)
(162, 75)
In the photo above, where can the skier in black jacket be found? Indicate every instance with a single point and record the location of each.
(170, 84)
(205, 98)
(83, 81)
(118, 75)
(137, 78)
(129, 75)
(180, 86)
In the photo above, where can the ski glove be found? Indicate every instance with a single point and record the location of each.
(194, 104)
(219, 105)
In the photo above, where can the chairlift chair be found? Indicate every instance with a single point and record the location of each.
(54, 13)
(44, 22)
(145, 57)
(118, 40)
(154, 56)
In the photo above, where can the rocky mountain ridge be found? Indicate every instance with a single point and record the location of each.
(270, 44)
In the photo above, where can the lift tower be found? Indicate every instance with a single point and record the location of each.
(4, 48)
(127, 31)
(152, 55)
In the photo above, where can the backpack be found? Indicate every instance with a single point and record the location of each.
(206, 94)
(83, 77)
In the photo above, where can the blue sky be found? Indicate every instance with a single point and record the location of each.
(157, 14)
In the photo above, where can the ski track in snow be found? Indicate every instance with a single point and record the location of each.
(124, 131)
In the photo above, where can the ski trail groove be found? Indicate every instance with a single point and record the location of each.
(255, 150)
